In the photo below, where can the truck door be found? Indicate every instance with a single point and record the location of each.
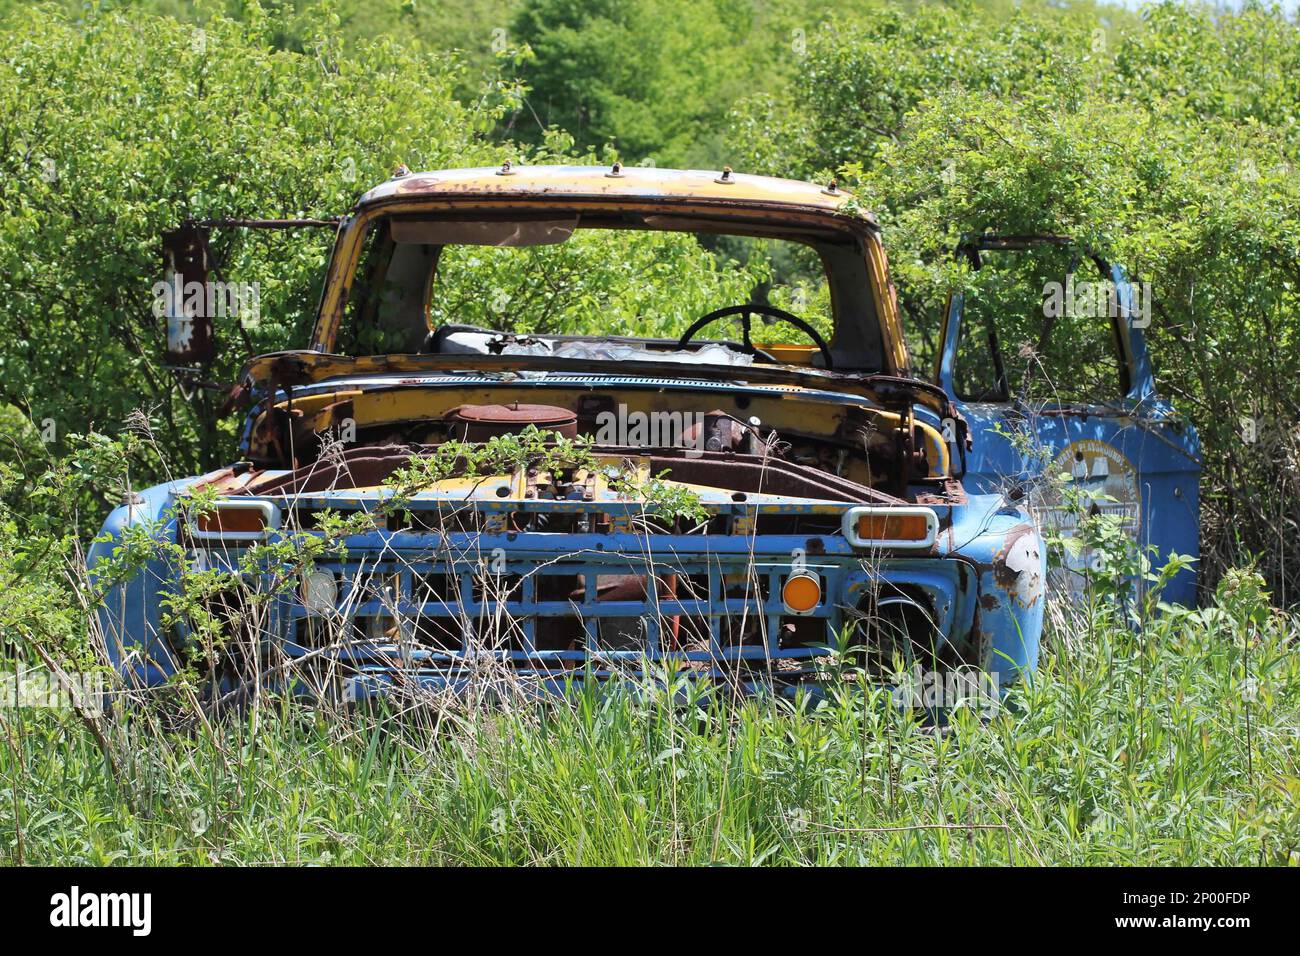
(1044, 355)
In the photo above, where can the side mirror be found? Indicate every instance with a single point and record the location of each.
(183, 297)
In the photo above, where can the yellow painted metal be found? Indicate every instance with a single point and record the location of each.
(311, 404)
(789, 353)
(886, 297)
(592, 182)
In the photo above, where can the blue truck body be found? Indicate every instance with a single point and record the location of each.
(552, 587)
(983, 582)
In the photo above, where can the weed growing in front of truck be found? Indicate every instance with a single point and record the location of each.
(1165, 745)
(1130, 750)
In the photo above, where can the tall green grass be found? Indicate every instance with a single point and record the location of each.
(1175, 745)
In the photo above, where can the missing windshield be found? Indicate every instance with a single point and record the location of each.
(430, 285)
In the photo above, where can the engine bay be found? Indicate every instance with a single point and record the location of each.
(743, 440)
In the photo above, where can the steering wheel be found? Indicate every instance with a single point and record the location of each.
(746, 322)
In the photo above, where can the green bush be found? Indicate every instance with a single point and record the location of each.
(115, 128)
(1170, 148)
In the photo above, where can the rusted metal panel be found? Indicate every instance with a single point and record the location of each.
(191, 342)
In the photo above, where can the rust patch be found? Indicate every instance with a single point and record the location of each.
(416, 184)
(1017, 567)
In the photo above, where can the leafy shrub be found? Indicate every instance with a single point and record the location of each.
(115, 128)
(1170, 149)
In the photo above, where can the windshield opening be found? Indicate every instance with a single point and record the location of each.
(438, 285)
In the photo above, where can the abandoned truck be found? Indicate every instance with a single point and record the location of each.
(732, 496)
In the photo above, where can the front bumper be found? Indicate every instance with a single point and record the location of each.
(440, 611)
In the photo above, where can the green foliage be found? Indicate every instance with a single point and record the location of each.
(116, 128)
(1170, 747)
(463, 26)
(617, 282)
(656, 78)
(47, 512)
(592, 75)
(1169, 147)
(548, 453)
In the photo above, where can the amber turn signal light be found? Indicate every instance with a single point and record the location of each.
(801, 592)
(882, 526)
(892, 527)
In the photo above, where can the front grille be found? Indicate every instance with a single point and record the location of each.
(561, 615)
(560, 607)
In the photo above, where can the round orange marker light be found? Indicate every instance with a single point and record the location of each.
(801, 592)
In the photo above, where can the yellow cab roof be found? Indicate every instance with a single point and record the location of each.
(628, 183)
